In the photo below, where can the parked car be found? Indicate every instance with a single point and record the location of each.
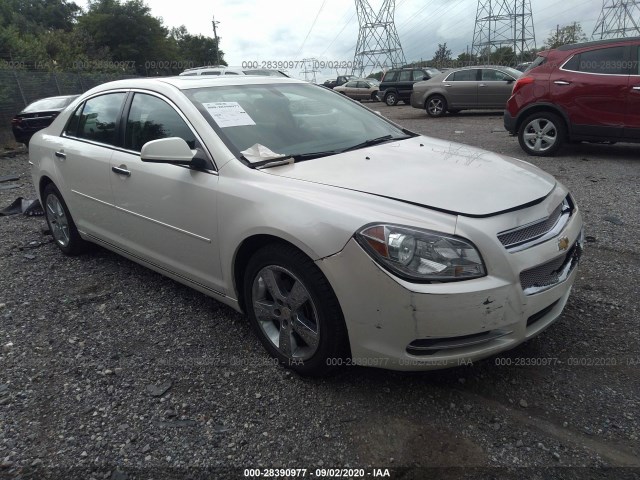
(523, 66)
(359, 90)
(212, 70)
(581, 92)
(397, 84)
(486, 87)
(343, 237)
(226, 70)
(341, 80)
(265, 72)
(38, 115)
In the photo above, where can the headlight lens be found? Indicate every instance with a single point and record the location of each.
(421, 255)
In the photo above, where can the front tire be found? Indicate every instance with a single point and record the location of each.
(542, 134)
(391, 99)
(436, 106)
(294, 311)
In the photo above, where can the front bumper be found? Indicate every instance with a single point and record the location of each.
(400, 325)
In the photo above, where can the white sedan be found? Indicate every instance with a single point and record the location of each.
(343, 237)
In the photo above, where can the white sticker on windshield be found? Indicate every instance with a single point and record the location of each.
(228, 114)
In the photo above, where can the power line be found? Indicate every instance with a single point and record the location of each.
(312, 25)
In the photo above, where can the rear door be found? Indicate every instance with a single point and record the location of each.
(494, 88)
(462, 88)
(632, 121)
(82, 160)
(363, 91)
(593, 88)
(405, 84)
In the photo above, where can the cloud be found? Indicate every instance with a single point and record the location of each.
(253, 30)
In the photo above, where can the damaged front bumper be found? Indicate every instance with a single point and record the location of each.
(400, 325)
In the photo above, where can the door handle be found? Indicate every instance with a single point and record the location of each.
(482, 85)
(635, 88)
(447, 85)
(61, 155)
(121, 171)
(562, 82)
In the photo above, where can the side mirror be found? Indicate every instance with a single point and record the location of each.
(511, 80)
(167, 150)
(426, 77)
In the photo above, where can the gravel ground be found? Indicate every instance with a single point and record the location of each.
(109, 370)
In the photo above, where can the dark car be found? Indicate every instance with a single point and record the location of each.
(581, 92)
(397, 84)
(341, 80)
(37, 116)
(482, 87)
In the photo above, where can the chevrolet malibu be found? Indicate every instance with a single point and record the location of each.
(343, 237)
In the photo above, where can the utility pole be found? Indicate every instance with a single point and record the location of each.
(215, 35)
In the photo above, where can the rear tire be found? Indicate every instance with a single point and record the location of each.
(542, 134)
(436, 106)
(391, 99)
(294, 311)
(61, 224)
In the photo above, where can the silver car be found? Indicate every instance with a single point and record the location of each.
(486, 87)
(343, 237)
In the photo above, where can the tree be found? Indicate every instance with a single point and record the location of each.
(466, 59)
(442, 55)
(130, 32)
(32, 16)
(564, 35)
(197, 49)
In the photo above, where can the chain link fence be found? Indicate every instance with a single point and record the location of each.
(18, 88)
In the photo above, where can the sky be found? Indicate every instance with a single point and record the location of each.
(292, 30)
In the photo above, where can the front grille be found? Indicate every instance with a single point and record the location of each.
(535, 230)
(547, 275)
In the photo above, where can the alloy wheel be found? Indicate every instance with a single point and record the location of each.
(57, 220)
(285, 312)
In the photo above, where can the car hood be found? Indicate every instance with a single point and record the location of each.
(438, 174)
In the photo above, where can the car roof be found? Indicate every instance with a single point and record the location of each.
(199, 81)
(574, 46)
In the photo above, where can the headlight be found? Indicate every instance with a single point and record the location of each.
(421, 255)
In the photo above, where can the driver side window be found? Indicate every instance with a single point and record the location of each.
(151, 118)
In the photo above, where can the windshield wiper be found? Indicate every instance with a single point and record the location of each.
(297, 157)
(374, 141)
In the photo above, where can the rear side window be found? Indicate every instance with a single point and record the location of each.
(391, 76)
(99, 118)
(405, 76)
(540, 60)
(463, 76)
(151, 118)
(418, 75)
(490, 75)
(605, 61)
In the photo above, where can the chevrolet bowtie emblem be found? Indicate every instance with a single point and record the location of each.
(563, 243)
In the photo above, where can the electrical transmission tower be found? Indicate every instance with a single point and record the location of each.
(618, 18)
(378, 42)
(310, 70)
(504, 31)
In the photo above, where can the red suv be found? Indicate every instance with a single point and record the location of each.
(583, 92)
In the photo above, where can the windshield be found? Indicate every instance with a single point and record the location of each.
(289, 120)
